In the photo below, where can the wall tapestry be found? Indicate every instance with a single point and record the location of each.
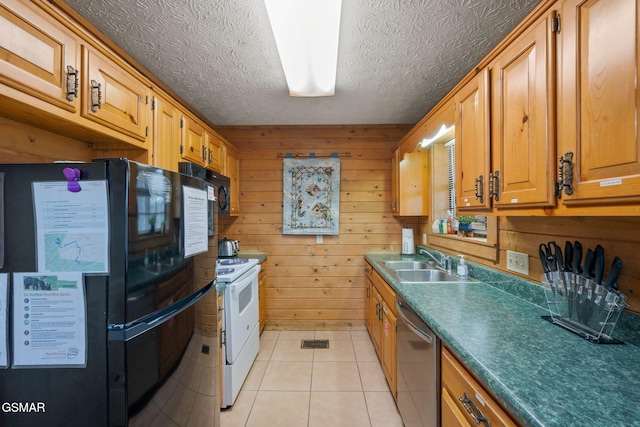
(311, 196)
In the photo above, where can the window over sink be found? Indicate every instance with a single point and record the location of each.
(481, 239)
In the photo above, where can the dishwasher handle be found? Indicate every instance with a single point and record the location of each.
(402, 309)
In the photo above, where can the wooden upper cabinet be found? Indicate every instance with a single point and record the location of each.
(523, 119)
(413, 183)
(114, 97)
(215, 155)
(193, 143)
(37, 56)
(472, 144)
(599, 97)
(166, 134)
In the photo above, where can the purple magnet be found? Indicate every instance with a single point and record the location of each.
(73, 176)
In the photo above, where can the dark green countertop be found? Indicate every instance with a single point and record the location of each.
(543, 374)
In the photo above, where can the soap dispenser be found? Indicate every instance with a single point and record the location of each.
(463, 268)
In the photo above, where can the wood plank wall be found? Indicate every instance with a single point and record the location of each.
(314, 285)
(619, 236)
(311, 285)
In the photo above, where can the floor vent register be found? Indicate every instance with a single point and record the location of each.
(315, 344)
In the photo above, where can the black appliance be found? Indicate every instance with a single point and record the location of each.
(221, 184)
(143, 315)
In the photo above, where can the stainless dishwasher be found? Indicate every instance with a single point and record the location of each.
(418, 370)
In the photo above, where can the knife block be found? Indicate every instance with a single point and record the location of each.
(582, 306)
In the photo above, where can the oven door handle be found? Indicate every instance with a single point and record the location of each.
(128, 331)
(244, 281)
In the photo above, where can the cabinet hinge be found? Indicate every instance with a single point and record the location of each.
(146, 131)
(181, 123)
(146, 100)
(181, 148)
(153, 105)
(555, 24)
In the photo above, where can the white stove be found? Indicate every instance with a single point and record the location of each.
(240, 330)
(230, 269)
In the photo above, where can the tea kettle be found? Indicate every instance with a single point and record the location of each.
(227, 247)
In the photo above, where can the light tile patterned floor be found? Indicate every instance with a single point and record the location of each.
(340, 386)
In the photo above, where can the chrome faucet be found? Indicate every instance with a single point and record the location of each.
(444, 262)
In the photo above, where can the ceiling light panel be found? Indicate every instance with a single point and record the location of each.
(307, 33)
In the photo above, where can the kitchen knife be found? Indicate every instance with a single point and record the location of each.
(609, 294)
(596, 271)
(558, 266)
(588, 264)
(570, 281)
(557, 255)
(568, 256)
(577, 257)
(598, 264)
(613, 274)
(582, 292)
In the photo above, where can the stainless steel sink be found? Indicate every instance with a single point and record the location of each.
(419, 272)
(407, 265)
(419, 276)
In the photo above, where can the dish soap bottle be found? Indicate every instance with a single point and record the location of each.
(463, 268)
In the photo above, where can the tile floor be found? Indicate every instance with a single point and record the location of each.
(288, 386)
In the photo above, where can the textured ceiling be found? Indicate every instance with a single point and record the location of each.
(396, 59)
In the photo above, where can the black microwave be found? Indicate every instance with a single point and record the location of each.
(219, 182)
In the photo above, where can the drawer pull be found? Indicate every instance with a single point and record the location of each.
(72, 83)
(473, 410)
(96, 96)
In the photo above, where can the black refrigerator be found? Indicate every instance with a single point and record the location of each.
(107, 296)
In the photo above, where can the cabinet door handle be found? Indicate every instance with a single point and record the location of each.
(72, 83)
(479, 188)
(96, 96)
(565, 175)
(494, 185)
(473, 410)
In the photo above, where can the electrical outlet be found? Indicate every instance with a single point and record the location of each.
(518, 262)
(424, 238)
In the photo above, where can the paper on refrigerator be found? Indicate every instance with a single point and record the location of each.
(72, 229)
(49, 320)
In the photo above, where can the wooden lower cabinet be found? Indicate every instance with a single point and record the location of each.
(381, 324)
(389, 347)
(464, 402)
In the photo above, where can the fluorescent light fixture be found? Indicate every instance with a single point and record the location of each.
(306, 32)
(441, 132)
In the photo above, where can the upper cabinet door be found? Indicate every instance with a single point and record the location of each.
(37, 54)
(523, 119)
(215, 157)
(472, 144)
(166, 134)
(413, 179)
(194, 141)
(114, 97)
(598, 99)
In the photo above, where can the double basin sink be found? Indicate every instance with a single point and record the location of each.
(419, 272)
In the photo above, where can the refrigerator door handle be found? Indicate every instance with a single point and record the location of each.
(128, 331)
